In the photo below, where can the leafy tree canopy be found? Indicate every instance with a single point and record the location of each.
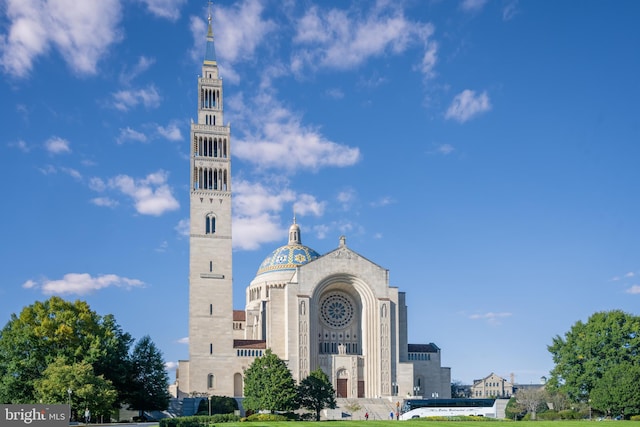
(589, 349)
(316, 392)
(618, 391)
(269, 385)
(77, 382)
(40, 346)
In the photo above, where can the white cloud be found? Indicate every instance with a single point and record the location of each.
(57, 145)
(81, 284)
(445, 149)
(383, 201)
(184, 340)
(284, 143)
(635, 290)
(307, 204)
(124, 100)
(169, 9)
(129, 134)
(170, 132)
(467, 104)
(171, 366)
(72, 173)
(20, 145)
(97, 184)
(141, 66)
(346, 197)
(335, 39)
(183, 228)
(151, 195)
(490, 317)
(472, 5)
(104, 202)
(256, 212)
(81, 31)
(510, 10)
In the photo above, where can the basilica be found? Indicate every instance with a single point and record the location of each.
(335, 311)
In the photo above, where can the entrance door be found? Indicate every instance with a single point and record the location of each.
(342, 387)
(360, 388)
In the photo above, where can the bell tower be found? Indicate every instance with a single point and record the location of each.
(210, 251)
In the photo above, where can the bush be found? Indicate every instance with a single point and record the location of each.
(266, 417)
(199, 420)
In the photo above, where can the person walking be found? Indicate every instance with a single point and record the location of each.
(366, 416)
(87, 415)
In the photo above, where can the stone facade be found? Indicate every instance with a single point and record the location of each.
(492, 386)
(336, 311)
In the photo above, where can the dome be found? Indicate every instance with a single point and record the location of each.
(289, 256)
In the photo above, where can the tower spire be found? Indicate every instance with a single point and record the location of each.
(210, 52)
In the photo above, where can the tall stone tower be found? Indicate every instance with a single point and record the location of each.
(210, 252)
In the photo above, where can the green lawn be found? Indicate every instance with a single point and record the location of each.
(424, 423)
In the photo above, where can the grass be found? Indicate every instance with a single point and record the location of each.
(426, 423)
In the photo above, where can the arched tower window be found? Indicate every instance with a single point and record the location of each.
(210, 226)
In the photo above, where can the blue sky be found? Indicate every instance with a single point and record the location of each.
(485, 152)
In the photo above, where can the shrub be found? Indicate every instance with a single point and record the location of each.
(199, 420)
(266, 417)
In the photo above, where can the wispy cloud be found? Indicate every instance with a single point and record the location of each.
(467, 105)
(490, 317)
(20, 145)
(81, 284)
(129, 74)
(337, 39)
(124, 100)
(472, 5)
(168, 9)
(80, 31)
(56, 145)
(170, 132)
(128, 134)
(510, 10)
(635, 290)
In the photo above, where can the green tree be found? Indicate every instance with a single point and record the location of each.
(618, 391)
(316, 392)
(53, 329)
(590, 349)
(269, 385)
(149, 378)
(88, 390)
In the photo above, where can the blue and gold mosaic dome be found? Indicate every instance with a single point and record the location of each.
(289, 256)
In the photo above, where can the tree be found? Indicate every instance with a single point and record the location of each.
(590, 349)
(316, 392)
(46, 331)
(87, 389)
(618, 391)
(269, 385)
(149, 379)
(531, 400)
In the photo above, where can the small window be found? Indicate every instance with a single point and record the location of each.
(210, 226)
(210, 381)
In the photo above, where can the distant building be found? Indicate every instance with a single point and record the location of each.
(492, 386)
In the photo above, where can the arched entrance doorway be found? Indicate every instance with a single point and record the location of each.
(342, 383)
